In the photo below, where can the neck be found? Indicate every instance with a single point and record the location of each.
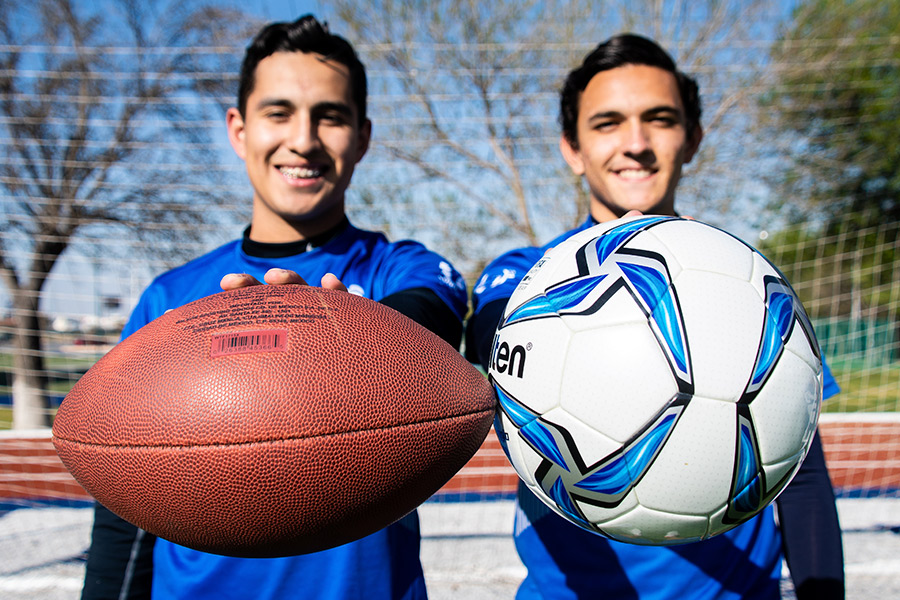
(602, 212)
(260, 249)
(269, 227)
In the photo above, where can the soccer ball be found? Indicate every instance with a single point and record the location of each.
(658, 380)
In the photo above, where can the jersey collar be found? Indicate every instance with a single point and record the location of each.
(282, 250)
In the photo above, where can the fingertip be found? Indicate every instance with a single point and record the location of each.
(331, 282)
(278, 276)
(233, 281)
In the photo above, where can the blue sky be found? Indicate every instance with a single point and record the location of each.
(286, 10)
(71, 268)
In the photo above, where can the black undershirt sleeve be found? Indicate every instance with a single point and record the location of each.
(811, 533)
(480, 332)
(426, 308)
(120, 560)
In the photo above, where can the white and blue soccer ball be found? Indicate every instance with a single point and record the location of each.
(658, 380)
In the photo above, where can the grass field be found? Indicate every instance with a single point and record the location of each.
(62, 373)
(872, 389)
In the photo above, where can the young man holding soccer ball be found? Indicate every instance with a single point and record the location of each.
(300, 127)
(630, 122)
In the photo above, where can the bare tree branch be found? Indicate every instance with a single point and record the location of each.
(81, 114)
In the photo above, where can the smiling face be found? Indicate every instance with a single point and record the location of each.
(300, 139)
(632, 141)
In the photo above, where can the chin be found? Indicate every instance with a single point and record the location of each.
(656, 208)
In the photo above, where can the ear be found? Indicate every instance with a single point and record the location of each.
(362, 139)
(571, 155)
(235, 125)
(693, 144)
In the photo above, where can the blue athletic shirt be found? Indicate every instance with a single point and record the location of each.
(384, 564)
(567, 562)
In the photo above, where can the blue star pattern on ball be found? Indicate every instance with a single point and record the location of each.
(606, 267)
(563, 474)
(784, 310)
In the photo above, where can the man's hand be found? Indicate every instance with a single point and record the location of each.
(233, 281)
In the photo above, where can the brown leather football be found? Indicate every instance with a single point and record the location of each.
(272, 420)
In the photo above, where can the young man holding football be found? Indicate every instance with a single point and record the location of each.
(300, 126)
(630, 122)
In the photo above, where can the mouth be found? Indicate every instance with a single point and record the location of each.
(298, 173)
(634, 174)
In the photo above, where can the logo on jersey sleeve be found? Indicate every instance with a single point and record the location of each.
(498, 280)
(450, 277)
(503, 277)
(481, 285)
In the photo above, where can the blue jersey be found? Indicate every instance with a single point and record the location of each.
(567, 562)
(384, 564)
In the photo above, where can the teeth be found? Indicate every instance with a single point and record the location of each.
(634, 173)
(300, 172)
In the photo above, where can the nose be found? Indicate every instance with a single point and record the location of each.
(637, 140)
(303, 136)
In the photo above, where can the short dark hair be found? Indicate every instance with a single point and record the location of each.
(618, 51)
(307, 35)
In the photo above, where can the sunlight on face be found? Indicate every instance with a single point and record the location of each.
(300, 140)
(632, 141)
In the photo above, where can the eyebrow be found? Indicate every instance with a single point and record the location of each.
(665, 108)
(339, 107)
(321, 107)
(604, 115)
(277, 102)
(655, 110)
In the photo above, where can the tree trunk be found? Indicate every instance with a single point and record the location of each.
(31, 405)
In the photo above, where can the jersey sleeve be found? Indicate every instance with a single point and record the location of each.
(829, 385)
(810, 529)
(492, 290)
(119, 560)
(501, 276)
(151, 305)
(410, 265)
(424, 307)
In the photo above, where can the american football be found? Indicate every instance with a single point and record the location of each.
(272, 421)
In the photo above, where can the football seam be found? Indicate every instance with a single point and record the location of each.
(275, 440)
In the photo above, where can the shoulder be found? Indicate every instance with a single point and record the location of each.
(190, 281)
(407, 264)
(503, 273)
(500, 278)
(382, 248)
(375, 247)
(197, 266)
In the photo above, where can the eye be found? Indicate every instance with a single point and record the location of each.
(604, 125)
(277, 115)
(333, 118)
(665, 120)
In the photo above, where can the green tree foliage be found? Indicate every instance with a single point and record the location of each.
(848, 282)
(847, 272)
(836, 104)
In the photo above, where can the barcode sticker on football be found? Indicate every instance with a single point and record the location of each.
(244, 342)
